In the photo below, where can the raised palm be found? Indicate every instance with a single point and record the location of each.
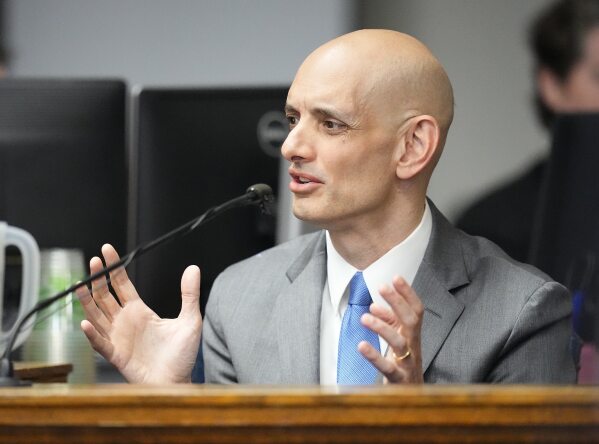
(142, 346)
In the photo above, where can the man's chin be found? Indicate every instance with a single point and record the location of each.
(304, 216)
(310, 217)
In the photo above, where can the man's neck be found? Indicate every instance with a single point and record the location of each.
(364, 242)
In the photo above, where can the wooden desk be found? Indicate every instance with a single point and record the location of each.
(225, 414)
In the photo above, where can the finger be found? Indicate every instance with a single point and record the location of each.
(384, 330)
(190, 293)
(406, 317)
(100, 291)
(391, 371)
(383, 313)
(403, 288)
(118, 278)
(97, 341)
(92, 312)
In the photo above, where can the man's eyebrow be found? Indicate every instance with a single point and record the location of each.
(326, 111)
(289, 108)
(322, 110)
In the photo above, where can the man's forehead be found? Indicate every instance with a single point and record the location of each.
(322, 86)
(333, 99)
(381, 73)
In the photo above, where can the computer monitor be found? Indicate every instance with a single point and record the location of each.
(193, 149)
(63, 174)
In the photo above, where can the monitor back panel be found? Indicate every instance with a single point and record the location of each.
(63, 173)
(195, 149)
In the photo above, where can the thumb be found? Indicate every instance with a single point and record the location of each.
(190, 292)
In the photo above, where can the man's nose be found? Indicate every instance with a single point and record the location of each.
(298, 145)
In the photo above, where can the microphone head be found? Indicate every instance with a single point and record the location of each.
(260, 191)
(262, 195)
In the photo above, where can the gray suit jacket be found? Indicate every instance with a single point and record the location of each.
(487, 319)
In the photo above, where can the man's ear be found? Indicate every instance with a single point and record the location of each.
(420, 144)
(550, 89)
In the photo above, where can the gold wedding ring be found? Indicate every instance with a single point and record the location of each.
(398, 359)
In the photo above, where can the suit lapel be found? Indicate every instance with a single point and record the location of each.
(442, 310)
(298, 316)
(298, 307)
(441, 271)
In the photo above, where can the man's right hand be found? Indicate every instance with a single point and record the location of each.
(141, 345)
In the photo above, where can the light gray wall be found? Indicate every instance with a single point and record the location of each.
(257, 42)
(175, 43)
(171, 42)
(482, 44)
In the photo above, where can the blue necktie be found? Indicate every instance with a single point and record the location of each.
(352, 367)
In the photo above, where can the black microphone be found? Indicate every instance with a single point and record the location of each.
(259, 194)
(262, 196)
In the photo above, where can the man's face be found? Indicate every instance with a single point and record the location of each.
(341, 146)
(580, 90)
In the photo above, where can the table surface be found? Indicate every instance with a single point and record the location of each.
(181, 413)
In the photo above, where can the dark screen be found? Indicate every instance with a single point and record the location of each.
(63, 171)
(196, 149)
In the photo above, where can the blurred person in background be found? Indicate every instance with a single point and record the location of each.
(564, 40)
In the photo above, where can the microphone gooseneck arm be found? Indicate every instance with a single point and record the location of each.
(259, 194)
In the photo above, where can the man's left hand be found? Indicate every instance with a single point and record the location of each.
(400, 326)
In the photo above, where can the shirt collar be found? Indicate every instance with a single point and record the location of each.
(404, 260)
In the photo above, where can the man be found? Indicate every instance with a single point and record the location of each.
(564, 40)
(369, 114)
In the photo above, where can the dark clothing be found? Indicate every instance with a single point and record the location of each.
(506, 215)
(549, 216)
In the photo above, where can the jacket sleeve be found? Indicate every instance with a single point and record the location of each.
(218, 366)
(538, 350)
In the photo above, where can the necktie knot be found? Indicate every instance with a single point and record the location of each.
(358, 291)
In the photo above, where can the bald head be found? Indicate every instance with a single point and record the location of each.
(390, 71)
(368, 113)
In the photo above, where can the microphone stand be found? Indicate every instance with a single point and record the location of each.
(259, 194)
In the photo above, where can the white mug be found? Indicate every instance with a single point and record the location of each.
(30, 254)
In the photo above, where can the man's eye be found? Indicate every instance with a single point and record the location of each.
(333, 125)
(292, 120)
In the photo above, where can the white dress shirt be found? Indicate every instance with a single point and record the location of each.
(403, 260)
